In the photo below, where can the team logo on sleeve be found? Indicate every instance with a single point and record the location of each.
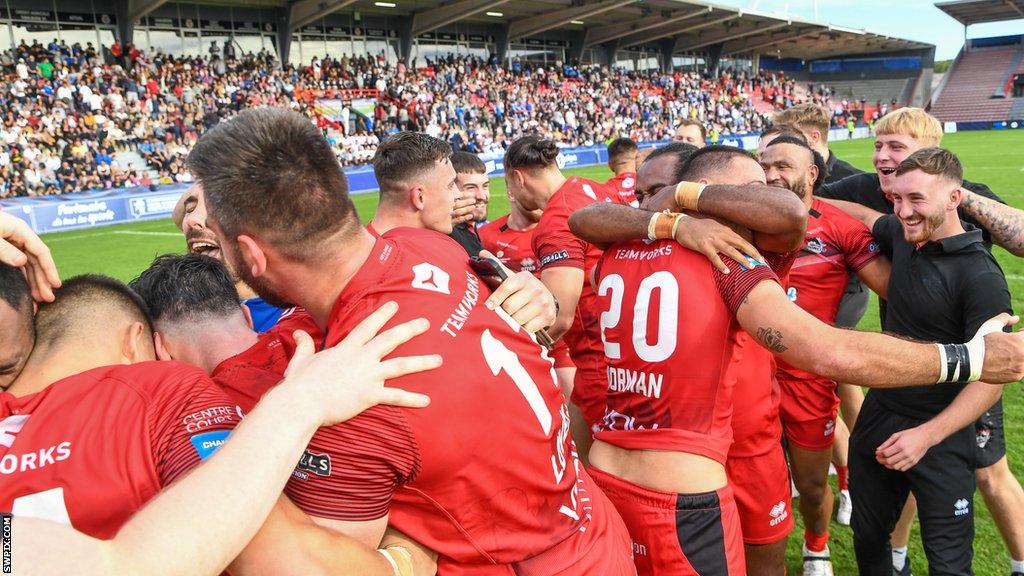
(554, 257)
(430, 277)
(750, 264)
(873, 247)
(208, 442)
(319, 464)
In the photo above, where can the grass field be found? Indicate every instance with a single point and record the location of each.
(994, 158)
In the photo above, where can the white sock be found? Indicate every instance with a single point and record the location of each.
(1016, 565)
(899, 558)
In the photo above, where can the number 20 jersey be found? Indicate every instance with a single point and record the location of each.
(670, 334)
(488, 472)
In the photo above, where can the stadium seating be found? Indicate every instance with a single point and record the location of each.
(976, 76)
(877, 90)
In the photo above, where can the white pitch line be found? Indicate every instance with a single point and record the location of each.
(1014, 277)
(117, 232)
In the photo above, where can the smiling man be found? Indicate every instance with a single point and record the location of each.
(190, 216)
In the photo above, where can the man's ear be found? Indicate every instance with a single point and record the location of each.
(812, 173)
(703, 181)
(137, 345)
(955, 196)
(248, 316)
(416, 197)
(161, 348)
(253, 256)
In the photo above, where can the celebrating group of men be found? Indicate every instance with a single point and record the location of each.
(615, 378)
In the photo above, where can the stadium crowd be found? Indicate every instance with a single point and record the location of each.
(69, 112)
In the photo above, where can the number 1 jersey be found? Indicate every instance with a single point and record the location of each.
(488, 472)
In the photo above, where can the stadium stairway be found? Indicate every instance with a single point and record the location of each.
(977, 75)
(132, 160)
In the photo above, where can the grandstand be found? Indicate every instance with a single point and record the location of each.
(980, 84)
(126, 86)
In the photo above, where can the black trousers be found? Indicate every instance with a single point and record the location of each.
(943, 482)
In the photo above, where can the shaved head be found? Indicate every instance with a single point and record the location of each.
(86, 307)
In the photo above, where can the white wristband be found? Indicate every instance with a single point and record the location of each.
(976, 347)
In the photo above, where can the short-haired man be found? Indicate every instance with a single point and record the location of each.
(921, 440)
(898, 134)
(622, 161)
(814, 121)
(691, 131)
(452, 476)
(837, 246)
(661, 168)
(774, 131)
(190, 216)
(17, 332)
(472, 181)
(662, 446)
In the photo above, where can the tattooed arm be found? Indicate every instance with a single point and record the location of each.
(1005, 223)
(862, 358)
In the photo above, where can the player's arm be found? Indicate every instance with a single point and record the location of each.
(865, 215)
(1005, 223)
(566, 284)
(875, 275)
(865, 358)
(164, 537)
(775, 215)
(904, 449)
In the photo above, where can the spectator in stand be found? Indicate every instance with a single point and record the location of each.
(691, 132)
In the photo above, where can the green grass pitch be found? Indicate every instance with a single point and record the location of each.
(995, 158)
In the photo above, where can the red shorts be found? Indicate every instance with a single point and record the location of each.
(763, 496)
(601, 547)
(808, 412)
(678, 534)
(560, 354)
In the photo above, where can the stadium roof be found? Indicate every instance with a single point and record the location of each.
(969, 12)
(692, 25)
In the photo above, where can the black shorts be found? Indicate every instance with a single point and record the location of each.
(988, 431)
(854, 303)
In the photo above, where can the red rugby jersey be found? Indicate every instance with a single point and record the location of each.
(756, 426)
(625, 185)
(836, 245)
(93, 448)
(486, 473)
(247, 376)
(555, 245)
(669, 330)
(513, 247)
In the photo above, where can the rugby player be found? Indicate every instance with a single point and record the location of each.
(836, 247)
(510, 239)
(654, 460)
(17, 335)
(447, 475)
(691, 131)
(814, 120)
(164, 538)
(622, 161)
(897, 135)
(190, 216)
(409, 167)
(170, 417)
(425, 198)
(536, 182)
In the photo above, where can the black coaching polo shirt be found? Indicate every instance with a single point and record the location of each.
(865, 190)
(941, 291)
(839, 169)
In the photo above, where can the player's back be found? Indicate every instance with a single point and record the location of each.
(625, 186)
(669, 337)
(514, 248)
(486, 473)
(91, 449)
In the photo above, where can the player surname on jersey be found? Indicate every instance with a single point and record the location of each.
(643, 383)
